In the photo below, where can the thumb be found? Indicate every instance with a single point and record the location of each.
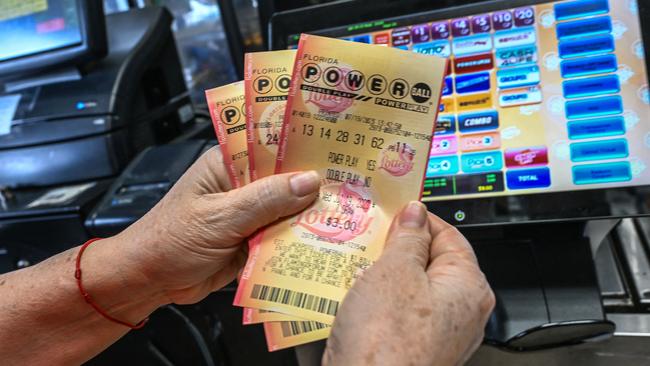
(264, 201)
(409, 237)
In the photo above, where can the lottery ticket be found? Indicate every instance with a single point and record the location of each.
(227, 108)
(363, 117)
(281, 335)
(267, 78)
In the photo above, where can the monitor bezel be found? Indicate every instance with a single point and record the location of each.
(93, 45)
(605, 203)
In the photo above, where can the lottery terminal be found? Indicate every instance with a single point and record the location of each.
(540, 156)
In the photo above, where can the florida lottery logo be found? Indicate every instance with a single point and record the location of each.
(397, 159)
(333, 89)
(342, 214)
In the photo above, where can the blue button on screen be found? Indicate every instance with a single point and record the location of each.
(589, 87)
(594, 107)
(472, 83)
(443, 165)
(584, 27)
(580, 8)
(482, 121)
(528, 178)
(588, 66)
(586, 47)
(597, 127)
(481, 162)
(602, 173)
(599, 150)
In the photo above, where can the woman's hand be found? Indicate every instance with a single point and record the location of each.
(424, 302)
(192, 242)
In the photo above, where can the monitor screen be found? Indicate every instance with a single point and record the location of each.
(542, 98)
(29, 27)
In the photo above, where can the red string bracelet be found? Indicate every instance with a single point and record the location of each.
(89, 300)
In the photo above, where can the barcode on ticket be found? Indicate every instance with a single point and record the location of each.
(293, 328)
(295, 298)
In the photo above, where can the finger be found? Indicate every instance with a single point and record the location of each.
(264, 201)
(409, 236)
(207, 175)
(448, 243)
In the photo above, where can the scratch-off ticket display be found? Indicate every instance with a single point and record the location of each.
(363, 117)
(268, 78)
(227, 110)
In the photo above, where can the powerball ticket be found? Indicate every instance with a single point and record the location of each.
(362, 116)
(227, 109)
(267, 82)
(267, 79)
(281, 335)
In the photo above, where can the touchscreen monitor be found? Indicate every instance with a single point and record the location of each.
(543, 97)
(34, 26)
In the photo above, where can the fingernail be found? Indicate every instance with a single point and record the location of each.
(304, 183)
(414, 215)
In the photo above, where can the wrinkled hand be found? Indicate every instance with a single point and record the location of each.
(192, 242)
(424, 302)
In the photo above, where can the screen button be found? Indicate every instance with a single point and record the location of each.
(481, 141)
(516, 56)
(481, 24)
(446, 125)
(444, 145)
(599, 127)
(472, 83)
(362, 39)
(599, 150)
(480, 43)
(444, 165)
(475, 63)
(602, 173)
(482, 121)
(401, 36)
(420, 33)
(474, 101)
(481, 162)
(435, 48)
(528, 178)
(588, 66)
(518, 77)
(526, 157)
(580, 8)
(595, 107)
(524, 16)
(448, 87)
(515, 37)
(517, 97)
(589, 87)
(586, 47)
(584, 27)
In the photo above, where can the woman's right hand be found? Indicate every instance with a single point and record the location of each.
(424, 302)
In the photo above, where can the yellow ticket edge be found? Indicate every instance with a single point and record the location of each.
(227, 109)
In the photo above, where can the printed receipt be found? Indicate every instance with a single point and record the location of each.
(227, 108)
(362, 116)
